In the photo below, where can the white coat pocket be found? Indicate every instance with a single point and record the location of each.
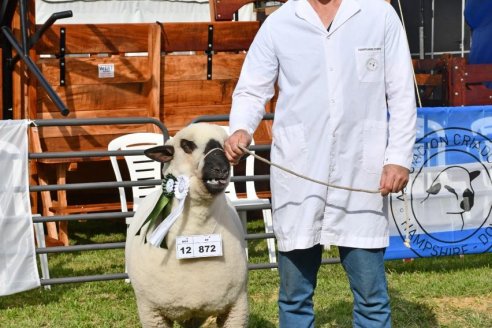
(370, 64)
(289, 150)
(374, 146)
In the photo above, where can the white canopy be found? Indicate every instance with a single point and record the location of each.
(131, 11)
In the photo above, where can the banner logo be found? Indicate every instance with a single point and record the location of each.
(449, 194)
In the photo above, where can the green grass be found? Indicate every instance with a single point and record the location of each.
(449, 292)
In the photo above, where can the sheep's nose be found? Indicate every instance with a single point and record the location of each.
(221, 171)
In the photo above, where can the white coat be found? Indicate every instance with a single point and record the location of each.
(346, 107)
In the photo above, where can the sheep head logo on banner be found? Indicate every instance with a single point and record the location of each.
(449, 193)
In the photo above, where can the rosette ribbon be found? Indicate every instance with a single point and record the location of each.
(180, 189)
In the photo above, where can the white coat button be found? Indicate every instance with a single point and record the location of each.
(330, 69)
(332, 101)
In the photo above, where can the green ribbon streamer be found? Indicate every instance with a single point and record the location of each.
(158, 208)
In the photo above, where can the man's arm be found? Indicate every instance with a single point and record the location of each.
(401, 107)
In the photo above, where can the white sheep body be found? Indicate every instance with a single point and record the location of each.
(168, 289)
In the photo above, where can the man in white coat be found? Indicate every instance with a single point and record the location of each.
(345, 115)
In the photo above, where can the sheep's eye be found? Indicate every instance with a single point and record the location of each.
(188, 146)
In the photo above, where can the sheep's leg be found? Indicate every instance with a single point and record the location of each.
(151, 317)
(193, 323)
(237, 316)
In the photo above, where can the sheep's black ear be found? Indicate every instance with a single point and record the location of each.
(474, 174)
(160, 153)
(188, 146)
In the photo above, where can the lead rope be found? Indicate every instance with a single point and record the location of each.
(264, 160)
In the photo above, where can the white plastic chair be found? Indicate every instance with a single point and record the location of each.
(252, 199)
(140, 167)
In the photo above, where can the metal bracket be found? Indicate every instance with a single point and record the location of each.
(61, 55)
(210, 51)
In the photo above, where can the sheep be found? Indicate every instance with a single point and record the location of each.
(189, 291)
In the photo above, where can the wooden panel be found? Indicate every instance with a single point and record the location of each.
(97, 97)
(263, 134)
(227, 36)
(478, 96)
(93, 130)
(81, 142)
(118, 38)
(194, 67)
(197, 93)
(153, 100)
(85, 70)
(477, 73)
(429, 79)
(100, 38)
(177, 117)
(131, 112)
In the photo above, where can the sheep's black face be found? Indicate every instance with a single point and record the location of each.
(216, 168)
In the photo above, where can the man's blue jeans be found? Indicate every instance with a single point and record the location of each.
(365, 270)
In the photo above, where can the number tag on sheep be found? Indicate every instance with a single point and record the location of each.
(188, 247)
(205, 224)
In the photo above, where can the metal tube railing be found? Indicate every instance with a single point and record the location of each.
(114, 184)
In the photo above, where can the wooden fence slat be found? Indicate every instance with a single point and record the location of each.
(197, 93)
(91, 38)
(97, 97)
(227, 36)
(89, 130)
(478, 96)
(85, 70)
(120, 38)
(77, 143)
(176, 117)
(477, 73)
(194, 67)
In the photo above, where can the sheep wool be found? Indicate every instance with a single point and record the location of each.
(189, 291)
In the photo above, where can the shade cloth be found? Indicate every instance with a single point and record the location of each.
(132, 11)
(18, 269)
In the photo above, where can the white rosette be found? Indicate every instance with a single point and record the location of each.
(169, 187)
(181, 187)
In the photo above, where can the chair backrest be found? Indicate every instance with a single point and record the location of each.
(140, 167)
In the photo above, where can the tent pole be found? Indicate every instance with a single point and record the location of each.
(462, 45)
(432, 28)
(421, 31)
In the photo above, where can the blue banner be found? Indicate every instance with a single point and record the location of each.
(449, 195)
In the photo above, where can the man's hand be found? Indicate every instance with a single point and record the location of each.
(232, 151)
(393, 179)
